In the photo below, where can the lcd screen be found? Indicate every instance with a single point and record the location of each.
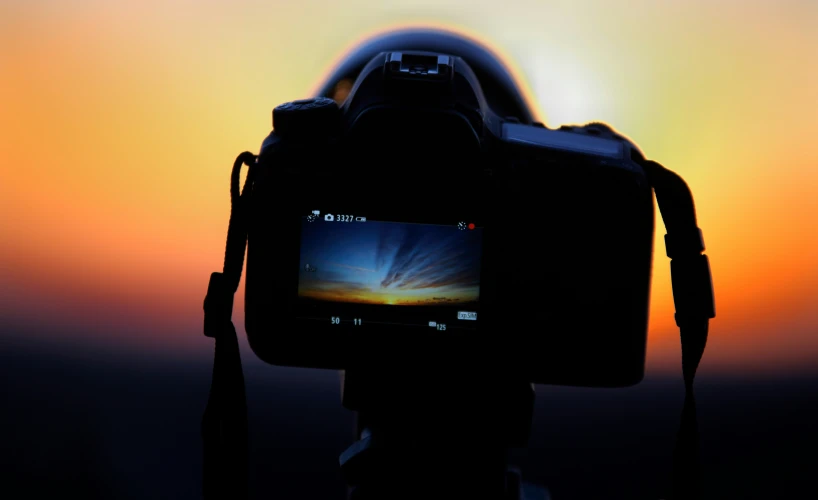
(363, 272)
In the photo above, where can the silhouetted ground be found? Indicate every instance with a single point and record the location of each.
(102, 425)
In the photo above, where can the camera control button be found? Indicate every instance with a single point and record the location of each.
(315, 117)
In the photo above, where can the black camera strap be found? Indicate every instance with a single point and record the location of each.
(695, 306)
(224, 425)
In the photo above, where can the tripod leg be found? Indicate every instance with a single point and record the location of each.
(514, 484)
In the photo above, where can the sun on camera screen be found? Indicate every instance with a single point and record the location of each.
(362, 272)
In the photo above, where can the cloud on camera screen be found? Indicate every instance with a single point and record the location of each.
(364, 272)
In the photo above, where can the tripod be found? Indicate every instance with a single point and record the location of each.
(428, 435)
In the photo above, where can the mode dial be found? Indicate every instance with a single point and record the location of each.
(307, 118)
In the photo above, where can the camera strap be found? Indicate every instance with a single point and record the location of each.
(694, 301)
(224, 424)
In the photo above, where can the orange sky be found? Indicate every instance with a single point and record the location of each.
(120, 121)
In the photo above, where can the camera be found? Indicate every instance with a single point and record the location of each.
(414, 226)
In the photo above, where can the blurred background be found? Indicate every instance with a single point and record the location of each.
(118, 125)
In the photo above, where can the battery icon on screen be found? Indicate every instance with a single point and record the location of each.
(360, 219)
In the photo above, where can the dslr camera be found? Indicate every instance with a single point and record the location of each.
(412, 225)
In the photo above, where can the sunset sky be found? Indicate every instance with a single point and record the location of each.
(119, 122)
(377, 262)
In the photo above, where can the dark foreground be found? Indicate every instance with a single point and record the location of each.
(110, 426)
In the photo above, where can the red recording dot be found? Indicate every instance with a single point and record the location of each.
(471, 226)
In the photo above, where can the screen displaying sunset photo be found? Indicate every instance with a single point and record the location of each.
(389, 263)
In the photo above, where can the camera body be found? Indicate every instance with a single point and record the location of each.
(412, 227)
